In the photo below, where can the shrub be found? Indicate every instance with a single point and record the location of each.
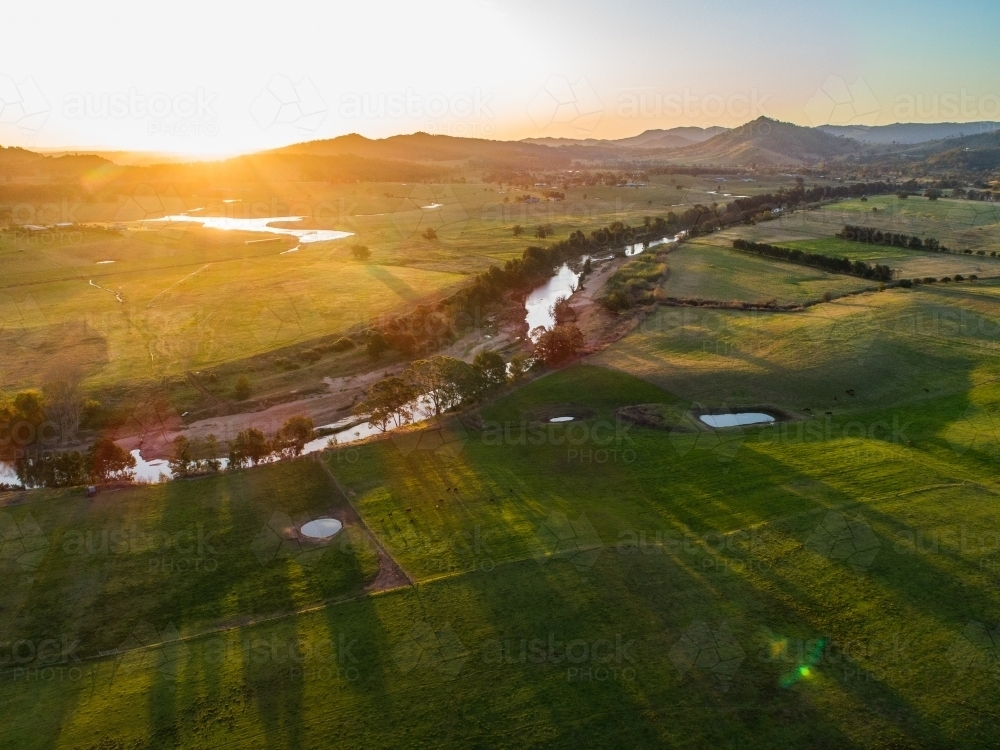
(242, 388)
(342, 344)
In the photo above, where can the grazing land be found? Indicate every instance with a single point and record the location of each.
(629, 576)
(654, 598)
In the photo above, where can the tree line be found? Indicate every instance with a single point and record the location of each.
(874, 236)
(102, 463)
(876, 272)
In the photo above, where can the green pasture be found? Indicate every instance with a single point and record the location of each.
(694, 581)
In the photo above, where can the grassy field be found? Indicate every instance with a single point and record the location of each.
(193, 299)
(708, 268)
(686, 590)
(958, 224)
(828, 581)
(198, 554)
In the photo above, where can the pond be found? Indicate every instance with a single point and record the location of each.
(562, 419)
(540, 304)
(321, 528)
(225, 223)
(736, 420)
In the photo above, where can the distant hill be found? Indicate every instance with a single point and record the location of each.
(768, 142)
(663, 138)
(26, 175)
(910, 132)
(423, 147)
(973, 153)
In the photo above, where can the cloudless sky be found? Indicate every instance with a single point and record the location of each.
(226, 77)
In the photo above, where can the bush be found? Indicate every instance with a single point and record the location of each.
(376, 345)
(342, 344)
(242, 390)
(905, 283)
(283, 363)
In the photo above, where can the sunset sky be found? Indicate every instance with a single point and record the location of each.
(220, 78)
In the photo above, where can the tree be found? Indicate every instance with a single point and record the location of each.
(242, 389)
(518, 230)
(446, 381)
(250, 446)
(559, 345)
(209, 454)
(181, 461)
(388, 403)
(543, 230)
(107, 462)
(520, 363)
(429, 234)
(294, 434)
(67, 469)
(360, 252)
(492, 370)
(64, 406)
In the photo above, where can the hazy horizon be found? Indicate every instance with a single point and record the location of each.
(138, 79)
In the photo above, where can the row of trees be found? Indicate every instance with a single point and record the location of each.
(437, 384)
(251, 447)
(876, 272)
(104, 462)
(874, 236)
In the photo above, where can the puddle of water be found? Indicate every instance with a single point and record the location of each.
(735, 420)
(562, 419)
(225, 223)
(104, 262)
(322, 528)
(432, 206)
(541, 301)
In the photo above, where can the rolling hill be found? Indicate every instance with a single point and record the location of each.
(660, 138)
(768, 142)
(910, 132)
